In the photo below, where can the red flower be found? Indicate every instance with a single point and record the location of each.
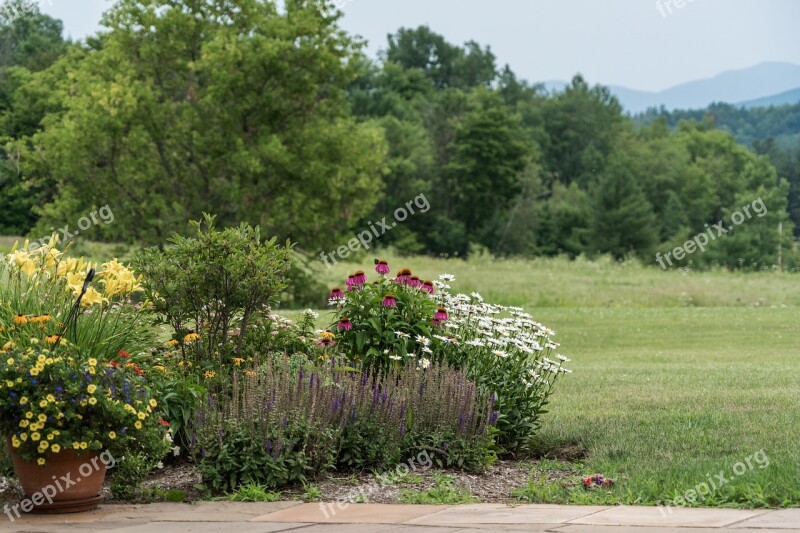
(113, 363)
(123, 353)
(163, 422)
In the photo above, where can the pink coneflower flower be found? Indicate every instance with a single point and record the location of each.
(389, 301)
(345, 324)
(414, 281)
(360, 278)
(403, 276)
(427, 285)
(436, 323)
(441, 314)
(382, 266)
(336, 294)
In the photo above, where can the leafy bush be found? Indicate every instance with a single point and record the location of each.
(284, 422)
(207, 286)
(404, 321)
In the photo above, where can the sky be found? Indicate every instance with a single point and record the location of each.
(640, 44)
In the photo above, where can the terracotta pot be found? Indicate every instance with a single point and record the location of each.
(68, 483)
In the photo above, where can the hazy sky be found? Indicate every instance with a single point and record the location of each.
(616, 42)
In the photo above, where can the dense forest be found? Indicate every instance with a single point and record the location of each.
(275, 116)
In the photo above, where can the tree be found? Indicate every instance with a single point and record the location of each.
(487, 155)
(192, 107)
(622, 220)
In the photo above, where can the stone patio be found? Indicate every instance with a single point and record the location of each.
(230, 517)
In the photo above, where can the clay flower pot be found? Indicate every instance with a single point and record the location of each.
(68, 483)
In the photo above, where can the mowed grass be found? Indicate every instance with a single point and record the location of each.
(678, 376)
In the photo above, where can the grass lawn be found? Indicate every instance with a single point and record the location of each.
(678, 376)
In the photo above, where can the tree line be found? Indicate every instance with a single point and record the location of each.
(273, 115)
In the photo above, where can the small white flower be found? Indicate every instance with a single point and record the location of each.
(477, 296)
(401, 334)
(310, 313)
(424, 363)
(425, 349)
(562, 358)
(160, 465)
(395, 357)
(500, 353)
(447, 277)
(176, 451)
(423, 340)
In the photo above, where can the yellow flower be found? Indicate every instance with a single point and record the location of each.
(24, 423)
(92, 400)
(40, 461)
(92, 362)
(51, 398)
(43, 404)
(10, 361)
(44, 445)
(138, 425)
(91, 388)
(112, 435)
(153, 403)
(10, 345)
(84, 445)
(141, 415)
(35, 436)
(92, 297)
(52, 339)
(40, 319)
(34, 371)
(15, 442)
(28, 415)
(191, 337)
(76, 445)
(42, 417)
(55, 448)
(249, 373)
(23, 400)
(160, 367)
(172, 342)
(24, 437)
(50, 436)
(20, 319)
(238, 361)
(209, 374)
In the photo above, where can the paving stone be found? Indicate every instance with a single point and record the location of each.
(210, 527)
(376, 528)
(782, 519)
(574, 528)
(475, 515)
(626, 515)
(355, 513)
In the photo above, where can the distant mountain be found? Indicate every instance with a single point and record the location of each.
(788, 97)
(760, 82)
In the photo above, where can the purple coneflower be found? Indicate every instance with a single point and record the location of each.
(441, 314)
(427, 285)
(351, 281)
(336, 294)
(414, 281)
(403, 276)
(345, 324)
(382, 266)
(389, 301)
(359, 278)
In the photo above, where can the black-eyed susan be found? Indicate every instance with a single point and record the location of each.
(52, 339)
(40, 319)
(191, 337)
(20, 319)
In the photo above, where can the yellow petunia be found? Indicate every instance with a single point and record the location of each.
(92, 400)
(112, 435)
(35, 436)
(91, 388)
(40, 461)
(138, 425)
(55, 448)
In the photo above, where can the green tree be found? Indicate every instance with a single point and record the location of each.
(192, 107)
(622, 220)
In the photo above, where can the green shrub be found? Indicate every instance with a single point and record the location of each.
(213, 285)
(505, 352)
